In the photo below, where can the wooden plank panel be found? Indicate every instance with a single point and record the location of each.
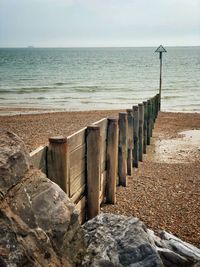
(81, 192)
(103, 124)
(77, 183)
(81, 208)
(77, 169)
(77, 139)
(77, 155)
(82, 217)
(39, 158)
(103, 154)
(103, 186)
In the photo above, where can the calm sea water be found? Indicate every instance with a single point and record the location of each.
(98, 78)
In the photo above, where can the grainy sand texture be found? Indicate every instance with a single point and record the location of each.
(164, 191)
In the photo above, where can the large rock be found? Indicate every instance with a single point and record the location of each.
(37, 220)
(116, 240)
(175, 252)
(37, 223)
(14, 160)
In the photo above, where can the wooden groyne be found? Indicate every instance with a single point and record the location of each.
(89, 164)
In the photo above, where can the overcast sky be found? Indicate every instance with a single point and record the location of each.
(68, 23)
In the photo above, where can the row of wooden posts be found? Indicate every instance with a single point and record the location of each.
(126, 140)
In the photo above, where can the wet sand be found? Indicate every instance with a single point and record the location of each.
(164, 192)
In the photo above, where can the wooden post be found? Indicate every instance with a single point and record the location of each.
(93, 170)
(154, 108)
(135, 136)
(157, 105)
(145, 127)
(112, 160)
(151, 118)
(130, 141)
(122, 156)
(148, 122)
(141, 125)
(58, 162)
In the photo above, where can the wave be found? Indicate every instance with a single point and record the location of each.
(27, 90)
(62, 83)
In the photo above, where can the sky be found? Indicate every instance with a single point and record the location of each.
(96, 23)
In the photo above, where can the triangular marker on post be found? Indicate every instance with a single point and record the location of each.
(161, 49)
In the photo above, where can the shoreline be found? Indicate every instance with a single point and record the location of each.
(18, 111)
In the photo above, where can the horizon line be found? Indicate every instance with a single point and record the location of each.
(35, 47)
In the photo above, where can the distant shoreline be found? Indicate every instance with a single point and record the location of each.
(14, 111)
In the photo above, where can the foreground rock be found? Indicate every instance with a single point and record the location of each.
(14, 160)
(115, 240)
(37, 220)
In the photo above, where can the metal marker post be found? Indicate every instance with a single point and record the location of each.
(160, 50)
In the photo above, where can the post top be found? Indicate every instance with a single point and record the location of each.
(58, 139)
(160, 49)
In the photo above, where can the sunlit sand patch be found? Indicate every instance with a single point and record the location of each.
(185, 148)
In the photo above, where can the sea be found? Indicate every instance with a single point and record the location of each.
(98, 78)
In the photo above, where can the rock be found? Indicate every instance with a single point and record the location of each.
(14, 160)
(38, 222)
(176, 252)
(116, 240)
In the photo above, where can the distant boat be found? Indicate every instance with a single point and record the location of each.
(30, 46)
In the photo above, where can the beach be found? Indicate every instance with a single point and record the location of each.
(164, 191)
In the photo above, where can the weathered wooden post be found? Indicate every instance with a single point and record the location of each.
(141, 125)
(157, 104)
(93, 170)
(160, 50)
(112, 160)
(154, 108)
(145, 127)
(58, 162)
(122, 156)
(130, 141)
(151, 118)
(135, 136)
(148, 122)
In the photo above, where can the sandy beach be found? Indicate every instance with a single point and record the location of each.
(164, 191)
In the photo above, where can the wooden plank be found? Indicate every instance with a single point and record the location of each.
(145, 128)
(77, 196)
(82, 217)
(77, 155)
(112, 160)
(148, 122)
(77, 183)
(39, 158)
(103, 124)
(57, 162)
(81, 208)
(129, 141)
(102, 194)
(93, 170)
(135, 136)
(77, 169)
(122, 152)
(77, 139)
(141, 126)
(103, 154)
